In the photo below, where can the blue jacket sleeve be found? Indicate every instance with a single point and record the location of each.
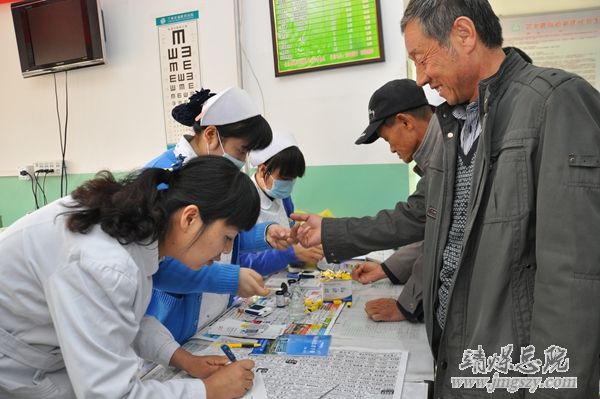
(253, 240)
(288, 205)
(176, 278)
(164, 160)
(270, 261)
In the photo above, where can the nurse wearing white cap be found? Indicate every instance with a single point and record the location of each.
(230, 125)
(279, 165)
(227, 123)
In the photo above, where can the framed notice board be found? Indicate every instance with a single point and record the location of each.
(310, 35)
(566, 40)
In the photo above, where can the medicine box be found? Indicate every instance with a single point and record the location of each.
(336, 289)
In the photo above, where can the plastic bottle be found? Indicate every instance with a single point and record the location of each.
(296, 307)
(280, 299)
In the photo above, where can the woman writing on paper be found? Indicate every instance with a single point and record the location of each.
(77, 278)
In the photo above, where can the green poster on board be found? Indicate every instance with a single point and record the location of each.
(310, 35)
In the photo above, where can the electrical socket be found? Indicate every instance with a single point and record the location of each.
(26, 168)
(55, 166)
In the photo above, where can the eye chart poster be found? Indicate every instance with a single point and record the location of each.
(179, 66)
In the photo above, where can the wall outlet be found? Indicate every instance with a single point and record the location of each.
(54, 166)
(25, 176)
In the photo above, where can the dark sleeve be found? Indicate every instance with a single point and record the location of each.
(344, 238)
(567, 273)
(390, 275)
(400, 265)
(410, 301)
(416, 316)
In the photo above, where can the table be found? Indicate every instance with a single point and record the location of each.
(354, 329)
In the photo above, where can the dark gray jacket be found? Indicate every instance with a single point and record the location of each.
(530, 270)
(405, 266)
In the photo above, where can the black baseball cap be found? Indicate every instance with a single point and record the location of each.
(390, 99)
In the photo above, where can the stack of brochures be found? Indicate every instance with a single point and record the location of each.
(295, 345)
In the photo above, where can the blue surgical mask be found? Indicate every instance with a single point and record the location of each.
(281, 188)
(239, 164)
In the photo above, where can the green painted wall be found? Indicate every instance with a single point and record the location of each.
(16, 198)
(352, 190)
(347, 190)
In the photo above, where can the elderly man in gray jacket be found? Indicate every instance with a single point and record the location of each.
(509, 210)
(399, 113)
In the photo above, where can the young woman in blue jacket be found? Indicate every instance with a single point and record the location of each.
(226, 124)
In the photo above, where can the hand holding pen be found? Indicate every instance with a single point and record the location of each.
(233, 380)
(227, 350)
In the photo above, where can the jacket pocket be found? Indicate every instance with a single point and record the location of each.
(508, 187)
(584, 171)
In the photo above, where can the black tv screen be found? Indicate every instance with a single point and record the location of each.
(56, 35)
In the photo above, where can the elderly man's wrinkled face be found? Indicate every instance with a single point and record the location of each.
(402, 140)
(444, 68)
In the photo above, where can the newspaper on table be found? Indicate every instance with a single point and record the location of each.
(349, 372)
(236, 323)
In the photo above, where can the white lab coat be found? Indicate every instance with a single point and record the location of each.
(81, 297)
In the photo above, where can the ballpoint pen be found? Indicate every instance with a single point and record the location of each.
(228, 353)
(325, 394)
(243, 345)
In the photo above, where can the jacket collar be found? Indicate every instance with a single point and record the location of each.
(423, 154)
(515, 60)
(265, 201)
(184, 148)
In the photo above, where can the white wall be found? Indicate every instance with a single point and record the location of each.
(115, 114)
(520, 7)
(115, 110)
(325, 110)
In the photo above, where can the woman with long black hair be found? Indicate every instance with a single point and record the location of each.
(77, 279)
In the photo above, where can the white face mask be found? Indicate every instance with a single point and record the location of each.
(239, 164)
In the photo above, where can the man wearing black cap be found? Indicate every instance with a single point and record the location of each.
(400, 114)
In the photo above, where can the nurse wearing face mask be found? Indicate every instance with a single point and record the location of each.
(279, 165)
(227, 124)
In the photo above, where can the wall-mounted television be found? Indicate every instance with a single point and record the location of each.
(57, 35)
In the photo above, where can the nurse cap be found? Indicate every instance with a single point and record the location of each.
(186, 113)
(229, 106)
(280, 142)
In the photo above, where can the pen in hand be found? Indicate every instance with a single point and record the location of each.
(228, 353)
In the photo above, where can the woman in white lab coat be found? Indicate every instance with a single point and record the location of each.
(77, 278)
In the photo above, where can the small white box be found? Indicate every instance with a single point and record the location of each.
(336, 289)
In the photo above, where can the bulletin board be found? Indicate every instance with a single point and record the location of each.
(566, 40)
(310, 35)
